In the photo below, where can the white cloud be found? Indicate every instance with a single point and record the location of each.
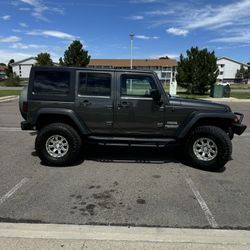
(6, 17)
(143, 1)
(136, 17)
(239, 37)
(6, 55)
(27, 46)
(143, 37)
(38, 8)
(177, 31)
(10, 39)
(52, 33)
(25, 9)
(16, 30)
(170, 55)
(217, 15)
(187, 16)
(159, 12)
(24, 25)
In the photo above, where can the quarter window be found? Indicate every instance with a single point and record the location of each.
(138, 86)
(51, 82)
(94, 84)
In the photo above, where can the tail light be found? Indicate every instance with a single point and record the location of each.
(25, 107)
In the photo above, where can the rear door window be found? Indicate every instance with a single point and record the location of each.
(94, 84)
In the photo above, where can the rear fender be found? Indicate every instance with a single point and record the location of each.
(78, 123)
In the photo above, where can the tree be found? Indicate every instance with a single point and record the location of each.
(240, 73)
(43, 59)
(164, 57)
(9, 70)
(2, 64)
(75, 55)
(198, 71)
(243, 73)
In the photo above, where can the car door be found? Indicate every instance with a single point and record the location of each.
(95, 100)
(136, 112)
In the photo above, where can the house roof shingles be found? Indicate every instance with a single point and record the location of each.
(136, 62)
(3, 68)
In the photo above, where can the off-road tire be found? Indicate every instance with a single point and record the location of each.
(69, 133)
(219, 137)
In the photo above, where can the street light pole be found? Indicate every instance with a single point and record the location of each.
(131, 49)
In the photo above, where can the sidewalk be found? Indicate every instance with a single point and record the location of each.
(229, 99)
(49, 236)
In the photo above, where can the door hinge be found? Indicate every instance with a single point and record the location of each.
(109, 123)
(160, 125)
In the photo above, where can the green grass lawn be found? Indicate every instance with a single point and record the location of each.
(240, 86)
(191, 96)
(239, 95)
(9, 92)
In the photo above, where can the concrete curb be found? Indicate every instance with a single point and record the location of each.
(8, 98)
(133, 234)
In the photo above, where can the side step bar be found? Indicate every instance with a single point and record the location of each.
(130, 141)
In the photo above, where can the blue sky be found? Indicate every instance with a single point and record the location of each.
(161, 27)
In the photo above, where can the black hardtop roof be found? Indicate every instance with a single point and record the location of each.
(90, 69)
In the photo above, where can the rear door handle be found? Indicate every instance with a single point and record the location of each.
(123, 105)
(85, 103)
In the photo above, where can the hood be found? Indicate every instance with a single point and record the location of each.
(199, 104)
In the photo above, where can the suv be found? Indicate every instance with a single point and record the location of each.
(72, 106)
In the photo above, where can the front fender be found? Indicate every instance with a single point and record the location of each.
(195, 117)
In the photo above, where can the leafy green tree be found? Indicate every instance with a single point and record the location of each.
(164, 57)
(9, 69)
(243, 74)
(75, 55)
(43, 59)
(240, 73)
(198, 71)
(13, 80)
(2, 64)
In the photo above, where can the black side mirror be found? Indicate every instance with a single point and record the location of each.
(155, 94)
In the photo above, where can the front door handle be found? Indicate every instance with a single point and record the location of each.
(85, 103)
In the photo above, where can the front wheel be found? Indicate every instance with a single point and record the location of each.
(208, 147)
(58, 144)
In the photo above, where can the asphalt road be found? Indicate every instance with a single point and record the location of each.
(121, 185)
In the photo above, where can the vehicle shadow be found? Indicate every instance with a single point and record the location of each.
(133, 154)
(172, 153)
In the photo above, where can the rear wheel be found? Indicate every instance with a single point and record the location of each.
(208, 147)
(58, 144)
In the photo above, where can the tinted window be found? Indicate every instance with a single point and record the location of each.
(137, 85)
(52, 82)
(96, 84)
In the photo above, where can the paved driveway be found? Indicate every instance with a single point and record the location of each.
(121, 185)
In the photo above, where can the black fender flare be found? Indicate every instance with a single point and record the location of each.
(195, 117)
(66, 112)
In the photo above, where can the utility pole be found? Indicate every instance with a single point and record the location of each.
(131, 49)
(131, 57)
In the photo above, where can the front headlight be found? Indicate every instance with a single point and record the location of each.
(237, 119)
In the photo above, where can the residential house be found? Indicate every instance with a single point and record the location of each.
(22, 68)
(228, 69)
(165, 68)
